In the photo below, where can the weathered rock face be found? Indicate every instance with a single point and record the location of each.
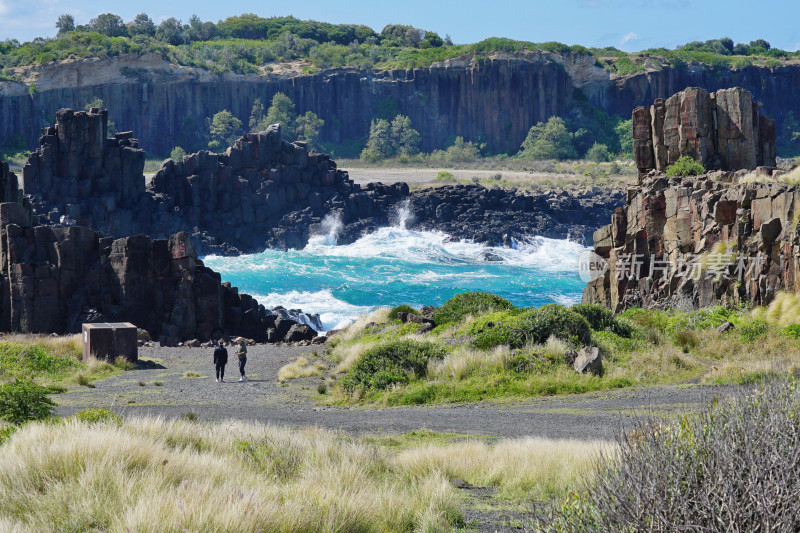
(497, 99)
(721, 130)
(52, 279)
(266, 192)
(699, 241)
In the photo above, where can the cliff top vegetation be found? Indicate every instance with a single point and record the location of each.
(251, 44)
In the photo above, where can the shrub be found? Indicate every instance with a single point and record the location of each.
(470, 303)
(685, 166)
(402, 309)
(756, 329)
(598, 153)
(532, 326)
(95, 415)
(177, 154)
(731, 466)
(24, 400)
(393, 362)
(445, 177)
(792, 331)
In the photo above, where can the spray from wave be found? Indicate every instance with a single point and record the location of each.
(395, 265)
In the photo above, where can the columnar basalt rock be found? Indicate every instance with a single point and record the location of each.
(721, 130)
(698, 241)
(52, 279)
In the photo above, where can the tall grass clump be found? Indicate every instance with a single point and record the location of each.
(404, 308)
(732, 466)
(782, 311)
(470, 303)
(522, 468)
(171, 476)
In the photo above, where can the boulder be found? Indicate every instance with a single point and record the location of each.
(300, 332)
(588, 360)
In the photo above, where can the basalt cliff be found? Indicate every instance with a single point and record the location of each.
(267, 192)
(725, 237)
(496, 98)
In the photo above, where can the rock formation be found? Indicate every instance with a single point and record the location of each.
(52, 279)
(721, 130)
(266, 192)
(689, 242)
(497, 98)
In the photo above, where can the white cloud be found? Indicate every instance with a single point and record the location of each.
(629, 38)
(3, 8)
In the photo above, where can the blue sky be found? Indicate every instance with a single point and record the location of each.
(627, 24)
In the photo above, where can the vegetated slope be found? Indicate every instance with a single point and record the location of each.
(493, 91)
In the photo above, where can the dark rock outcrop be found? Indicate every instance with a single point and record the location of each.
(266, 192)
(721, 130)
(53, 279)
(698, 241)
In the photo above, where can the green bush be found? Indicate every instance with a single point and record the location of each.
(602, 319)
(470, 303)
(685, 166)
(445, 177)
(402, 309)
(757, 329)
(393, 362)
(94, 415)
(24, 400)
(22, 360)
(792, 331)
(532, 326)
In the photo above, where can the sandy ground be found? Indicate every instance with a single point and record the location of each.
(165, 391)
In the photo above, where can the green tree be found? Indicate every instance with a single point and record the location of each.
(624, 132)
(307, 127)
(142, 24)
(65, 23)
(431, 40)
(177, 154)
(598, 153)
(405, 139)
(108, 24)
(170, 31)
(379, 144)
(390, 139)
(281, 112)
(201, 31)
(257, 116)
(223, 130)
(548, 140)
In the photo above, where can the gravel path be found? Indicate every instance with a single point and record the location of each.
(164, 390)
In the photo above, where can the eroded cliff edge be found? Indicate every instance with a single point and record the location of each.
(497, 98)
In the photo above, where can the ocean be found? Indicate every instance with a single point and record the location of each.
(396, 265)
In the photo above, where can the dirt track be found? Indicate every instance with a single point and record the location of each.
(262, 398)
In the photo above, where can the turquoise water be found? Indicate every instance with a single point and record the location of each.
(395, 265)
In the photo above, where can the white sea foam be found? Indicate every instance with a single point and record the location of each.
(333, 312)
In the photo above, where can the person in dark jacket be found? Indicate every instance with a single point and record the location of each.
(220, 360)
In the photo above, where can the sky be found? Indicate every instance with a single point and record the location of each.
(630, 25)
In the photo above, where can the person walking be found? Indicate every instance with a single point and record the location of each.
(242, 354)
(220, 360)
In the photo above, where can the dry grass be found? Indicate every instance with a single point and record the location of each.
(63, 346)
(782, 311)
(522, 468)
(346, 355)
(790, 178)
(465, 362)
(299, 368)
(153, 475)
(378, 316)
